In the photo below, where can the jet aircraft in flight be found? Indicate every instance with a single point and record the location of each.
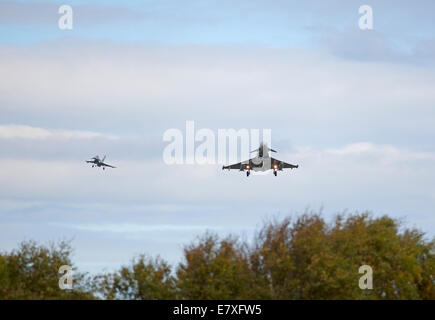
(262, 162)
(96, 162)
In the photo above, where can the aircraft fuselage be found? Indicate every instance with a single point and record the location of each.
(260, 163)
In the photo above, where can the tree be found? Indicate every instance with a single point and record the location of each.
(144, 279)
(31, 272)
(214, 269)
(310, 259)
(300, 258)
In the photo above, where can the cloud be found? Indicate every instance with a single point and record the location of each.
(361, 45)
(134, 228)
(382, 152)
(30, 143)
(148, 89)
(46, 14)
(29, 132)
(145, 206)
(425, 51)
(356, 170)
(307, 98)
(356, 114)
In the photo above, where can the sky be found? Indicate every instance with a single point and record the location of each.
(355, 109)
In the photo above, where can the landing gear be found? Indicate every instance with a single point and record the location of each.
(248, 173)
(104, 168)
(92, 166)
(275, 172)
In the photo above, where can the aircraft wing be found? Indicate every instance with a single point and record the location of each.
(238, 166)
(107, 165)
(279, 165)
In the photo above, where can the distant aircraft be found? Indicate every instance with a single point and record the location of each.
(96, 162)
(262, 162)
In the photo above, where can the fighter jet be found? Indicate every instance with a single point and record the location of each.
(96, 162)
(262, 162)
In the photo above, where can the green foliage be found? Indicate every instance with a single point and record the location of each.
(31, 272)
(144, 279)
(312, 260)
(214, 269)
(302, 259)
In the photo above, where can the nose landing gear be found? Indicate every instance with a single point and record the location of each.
(275, 172)
(248, 173)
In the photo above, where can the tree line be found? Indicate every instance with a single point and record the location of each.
(300, 258)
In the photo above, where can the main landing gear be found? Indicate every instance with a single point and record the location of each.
(248, 173)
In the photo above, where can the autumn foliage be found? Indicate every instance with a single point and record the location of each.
(304, 258)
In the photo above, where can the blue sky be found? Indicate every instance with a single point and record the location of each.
(355, 109)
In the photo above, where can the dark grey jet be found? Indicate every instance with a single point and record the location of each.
(262, 162)
(96, 162)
